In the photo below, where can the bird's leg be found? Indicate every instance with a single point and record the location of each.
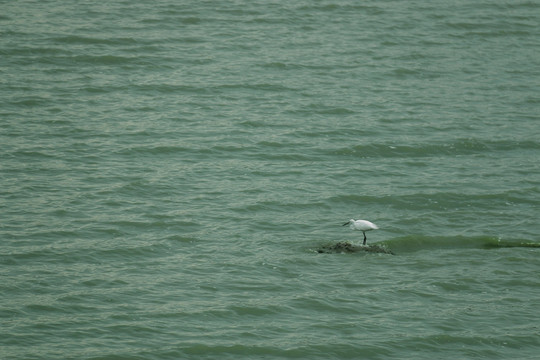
(363, 232)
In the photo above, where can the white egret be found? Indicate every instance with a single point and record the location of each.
(361, 225)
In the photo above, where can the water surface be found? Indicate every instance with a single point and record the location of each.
(169, 170)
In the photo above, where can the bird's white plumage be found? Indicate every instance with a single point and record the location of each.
(361, 225)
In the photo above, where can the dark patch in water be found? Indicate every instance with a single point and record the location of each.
(346, 247)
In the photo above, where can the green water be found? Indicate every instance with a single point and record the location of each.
(169, 169)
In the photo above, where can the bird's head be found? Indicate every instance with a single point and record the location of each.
(348, 222)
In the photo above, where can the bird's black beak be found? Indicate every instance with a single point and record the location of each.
(347, 223)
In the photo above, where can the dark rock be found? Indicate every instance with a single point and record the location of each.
(346, 247)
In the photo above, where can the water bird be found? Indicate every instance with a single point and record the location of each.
(361, 225)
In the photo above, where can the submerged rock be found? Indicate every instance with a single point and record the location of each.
(346, 247)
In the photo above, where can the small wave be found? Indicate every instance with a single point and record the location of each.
(413, 243)
(323, 110)
(154, 150)
(280, 66)
(346, 8)
(73, 39)
(457, 147)
(103, 59)
(267, 87)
